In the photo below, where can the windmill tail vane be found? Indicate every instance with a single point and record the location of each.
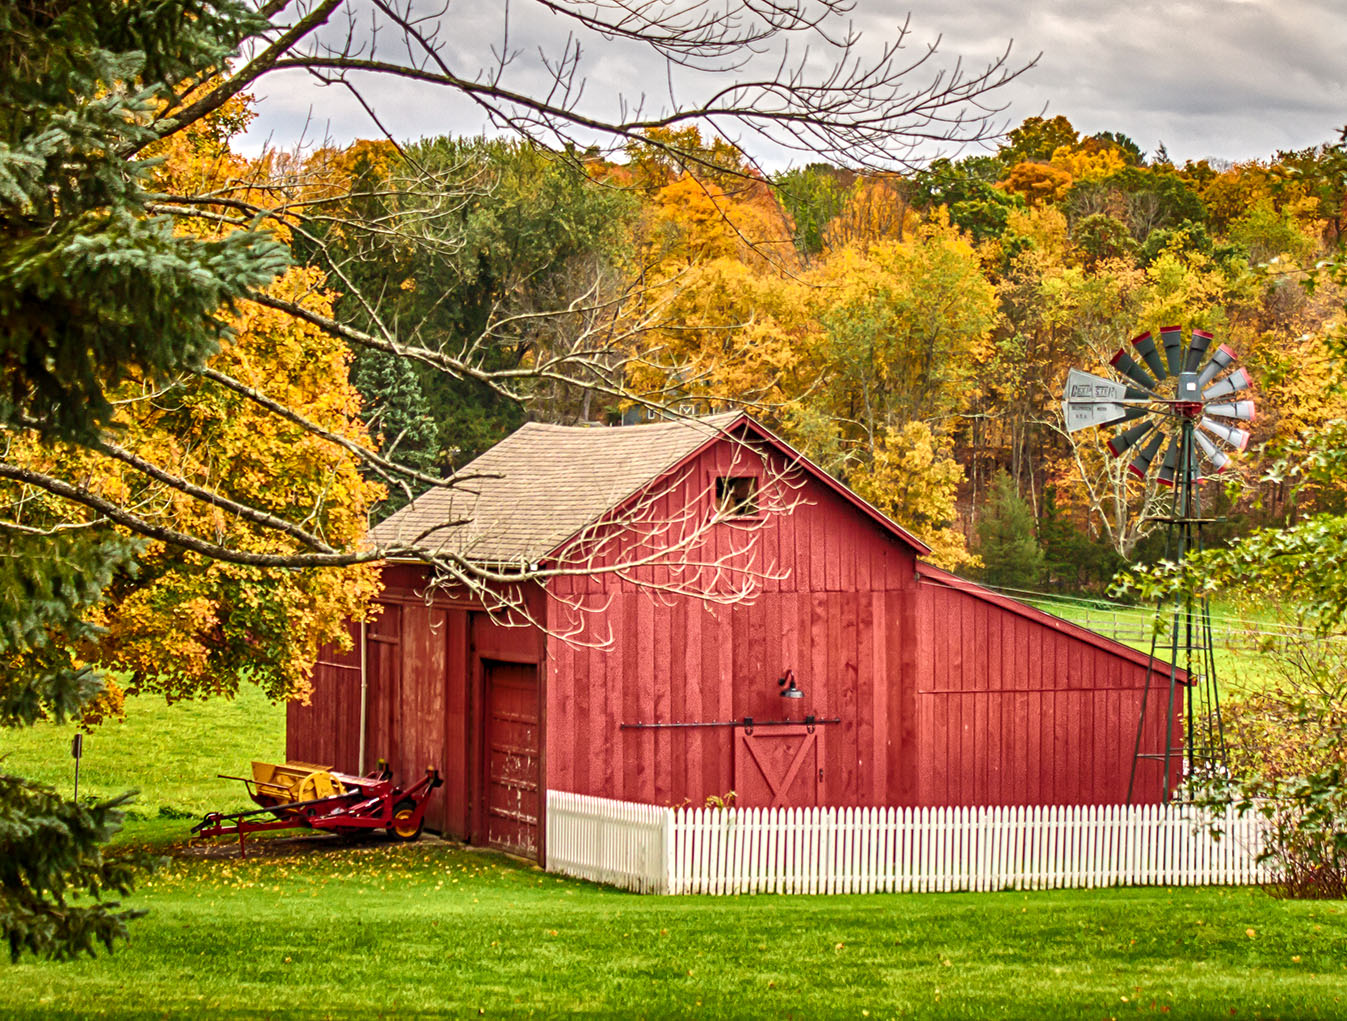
(1182, 421)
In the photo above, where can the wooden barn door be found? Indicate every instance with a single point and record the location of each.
(778, 767)
(512, 799)
(383, 709)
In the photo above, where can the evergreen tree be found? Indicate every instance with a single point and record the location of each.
(1072, 559)
(398, 417)
(1011, 556)
(93, 290)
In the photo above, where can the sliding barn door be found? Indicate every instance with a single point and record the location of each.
(778, 767)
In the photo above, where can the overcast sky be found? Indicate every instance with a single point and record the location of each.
(1231, 79)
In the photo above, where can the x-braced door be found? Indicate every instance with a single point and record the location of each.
(778, 767)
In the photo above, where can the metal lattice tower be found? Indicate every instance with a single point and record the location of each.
(1184, 402)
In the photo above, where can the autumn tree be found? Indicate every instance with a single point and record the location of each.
(119, 293)
(915, 482)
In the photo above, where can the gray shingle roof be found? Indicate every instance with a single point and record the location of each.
(548, 482)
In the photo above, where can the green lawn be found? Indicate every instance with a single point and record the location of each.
(382, 930)
(396, 931)
(170, 753)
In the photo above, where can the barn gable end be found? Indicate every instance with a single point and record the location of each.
(835, 616)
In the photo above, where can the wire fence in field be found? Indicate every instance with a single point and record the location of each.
(1128, 623)
(653, 849)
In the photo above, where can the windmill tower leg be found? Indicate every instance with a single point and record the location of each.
(1200, 748)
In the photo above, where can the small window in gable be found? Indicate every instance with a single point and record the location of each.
(737, 495)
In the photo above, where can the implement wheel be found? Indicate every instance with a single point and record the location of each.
(403, 827)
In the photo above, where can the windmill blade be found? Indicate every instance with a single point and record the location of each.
(1093, 400)
(1194, 468)
(1171, 465)
(1172, 337)
(1240, 410)
(1232, 384)
(1128, 438)
(1123, 362)
(1216, 457)
(1145, 345)
(1197, 349)
(1142, 462)
(1223, 358)
(1237, 438)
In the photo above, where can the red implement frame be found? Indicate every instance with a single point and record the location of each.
(371, 802)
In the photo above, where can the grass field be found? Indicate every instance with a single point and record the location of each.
(318, 929)
(402, 931)
(170, 753)
(1239, 668)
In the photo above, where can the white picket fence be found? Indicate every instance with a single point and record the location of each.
(652, 849)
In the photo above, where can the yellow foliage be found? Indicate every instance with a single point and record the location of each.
(906, 325)
(187, 624)
(736, 331)
(1183, 288)
(876, 210)
(694, 220)
(916, 483)
(1085, 165)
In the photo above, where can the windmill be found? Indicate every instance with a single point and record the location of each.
(1181, 401)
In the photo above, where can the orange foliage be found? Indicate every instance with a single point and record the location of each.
(1038, 182)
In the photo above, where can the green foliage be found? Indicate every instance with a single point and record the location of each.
(966, 189)
(1302, 565)
(91, 289)
(1011, 556)
(1072, 559)
(1288, 763)
(812, 195)
(46, 587)
(1037, 139)
(1120, 143)
(49, 855)
(398, 417)
(1099, 237)
(1321, 173)
(1145, 199)
(519, 231)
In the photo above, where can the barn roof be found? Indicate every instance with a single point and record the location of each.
(543, 484)
(934, 575)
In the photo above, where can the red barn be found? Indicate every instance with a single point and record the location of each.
(613, 676)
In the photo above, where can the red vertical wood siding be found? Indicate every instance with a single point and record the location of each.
(680, 660)
(944, 695)
(326, 729)
(1035, 715)
(943, 698)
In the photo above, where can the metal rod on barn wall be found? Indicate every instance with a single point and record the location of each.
(747, 722)
(364, 696)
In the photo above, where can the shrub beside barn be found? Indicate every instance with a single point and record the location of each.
(911, 686)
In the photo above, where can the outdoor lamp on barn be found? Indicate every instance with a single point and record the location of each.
(789, 689)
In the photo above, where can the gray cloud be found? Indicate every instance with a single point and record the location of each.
(1235, 79)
